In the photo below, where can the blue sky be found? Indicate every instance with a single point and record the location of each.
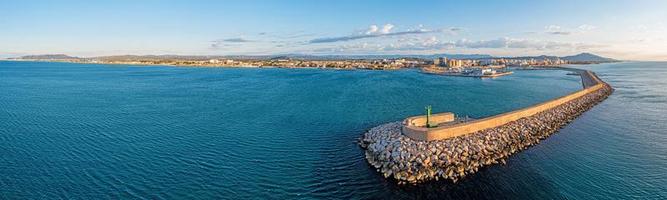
(621, 29)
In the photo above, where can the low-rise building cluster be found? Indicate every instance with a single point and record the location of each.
(493, 62)
(282, 63)
(437, 64)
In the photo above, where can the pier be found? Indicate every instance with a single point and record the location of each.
(590, 83)
(411, 152)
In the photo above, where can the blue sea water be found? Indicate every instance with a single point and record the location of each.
(116, 131)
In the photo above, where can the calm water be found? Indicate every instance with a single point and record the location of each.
(113, 131)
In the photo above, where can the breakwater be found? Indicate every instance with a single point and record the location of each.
(412, 157)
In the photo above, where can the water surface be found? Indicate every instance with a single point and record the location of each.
(116, 131)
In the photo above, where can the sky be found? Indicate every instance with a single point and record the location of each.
(628, 29)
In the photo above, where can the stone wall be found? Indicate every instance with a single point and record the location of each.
(420, 121)
(590, 82)
(397, 156)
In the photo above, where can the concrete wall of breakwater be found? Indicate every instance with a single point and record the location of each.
(435, 119)
(395, 155)
(590, 82)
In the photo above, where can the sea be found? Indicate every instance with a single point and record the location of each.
(94, 131)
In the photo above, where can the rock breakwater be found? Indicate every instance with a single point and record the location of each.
(410, 161)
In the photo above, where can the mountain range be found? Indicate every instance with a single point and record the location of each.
(587, 57)
(46, 57)
(582, 57)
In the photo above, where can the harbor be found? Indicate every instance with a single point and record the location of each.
(489, 71)
(481, 74)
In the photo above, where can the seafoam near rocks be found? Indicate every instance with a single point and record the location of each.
(411, 161)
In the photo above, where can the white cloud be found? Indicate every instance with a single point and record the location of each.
(512, 43)
(386, 28)
(220, 43)
(558, 30)
(586, 27)
(375, 30)
(551, 28)
(372, 30)
(434, 44)
(555, 30)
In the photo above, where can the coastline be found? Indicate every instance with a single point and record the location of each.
(479, 76)
(343, 64)
(136, 64)
(199, 66)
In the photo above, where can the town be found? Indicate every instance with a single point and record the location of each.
(473, 67)
(374, 64)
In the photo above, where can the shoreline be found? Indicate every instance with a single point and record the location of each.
(420, 159)
(479, 76)
(132, 63)
(207, 66)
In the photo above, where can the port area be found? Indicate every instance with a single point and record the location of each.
(481, 72)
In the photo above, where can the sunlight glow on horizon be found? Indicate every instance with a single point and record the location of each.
(621, 29)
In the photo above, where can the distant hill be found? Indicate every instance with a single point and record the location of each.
(582, 57)
(47, 57)
(587, 57)
(287, 56)
(461, 56)
(579, 58)
(369, 56)
(542, 57)
(152, 57)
